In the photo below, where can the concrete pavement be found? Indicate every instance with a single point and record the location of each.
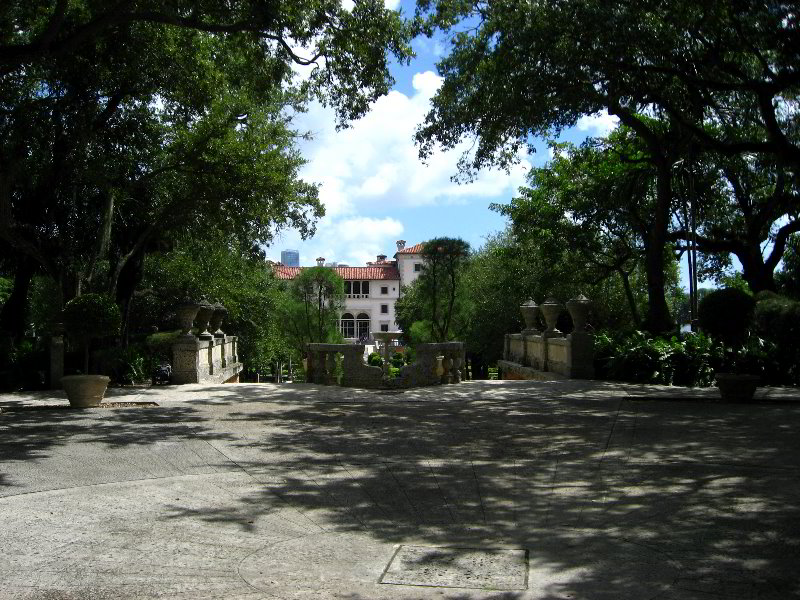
(501, 490)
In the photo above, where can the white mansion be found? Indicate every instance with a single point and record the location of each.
(371, 291)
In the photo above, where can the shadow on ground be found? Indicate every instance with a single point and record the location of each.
(695, 499)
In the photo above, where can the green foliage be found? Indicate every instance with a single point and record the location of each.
(22, 365)
(397, 360)
(727, 314)
(421, 332)
(44, 304)
(640, 358)
(221, 270)
(439, 284)
(375, 360)
(130, 365)
(777, 320)
(91, 316)
(788, 278)
(6, 285)
(309, 308)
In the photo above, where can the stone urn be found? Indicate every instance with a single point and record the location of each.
(737, 387)
(457, 363)
(530, 311)
(215, 323)
(202, 318)
(551, 309)
(579, 310)
(84, 391)
(186, 313)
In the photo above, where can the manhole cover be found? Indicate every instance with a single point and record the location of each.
(476, 568)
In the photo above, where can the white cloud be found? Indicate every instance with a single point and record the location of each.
(376, 159)
(348, 5)
(352, 240)
(600, 123)
(371, 172)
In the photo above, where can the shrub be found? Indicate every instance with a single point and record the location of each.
(398, 360)
(726, 315)
(638, 358)
(375, 360)
(777, 321)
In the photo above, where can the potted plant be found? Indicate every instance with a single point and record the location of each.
(726, 314)
(87, 317)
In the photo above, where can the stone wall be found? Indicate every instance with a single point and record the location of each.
(321, 366)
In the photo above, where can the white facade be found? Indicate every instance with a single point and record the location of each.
(377, 304)
(371, 291)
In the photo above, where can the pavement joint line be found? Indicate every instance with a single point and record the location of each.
(271, 491)
(415, 511)
(478, 488)
(365, 491)
(106, 483)
(336, 502)
(441, 492)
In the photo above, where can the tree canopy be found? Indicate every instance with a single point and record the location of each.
(123, 125)
(716, 77)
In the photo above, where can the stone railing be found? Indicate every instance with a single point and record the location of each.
(435, 364)
(548, 353)
(209, 357)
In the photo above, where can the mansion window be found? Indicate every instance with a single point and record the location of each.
(384, 327)
(384, 289)
(354, 327)
(348, 325)
(384, 309)
(417, 267)
(356, 289)
(362, 326)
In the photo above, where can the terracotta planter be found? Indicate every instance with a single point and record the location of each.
(85, 390)
(737, 387)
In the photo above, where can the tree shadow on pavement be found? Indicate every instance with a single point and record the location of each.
(613, 499)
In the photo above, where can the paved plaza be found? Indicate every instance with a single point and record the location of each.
(497, 490)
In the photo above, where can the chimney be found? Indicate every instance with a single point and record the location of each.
(400, 245)
(320, 261)
(381, 257)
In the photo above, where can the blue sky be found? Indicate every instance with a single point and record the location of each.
(376, 190)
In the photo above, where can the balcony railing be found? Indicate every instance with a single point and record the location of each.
(358, 296)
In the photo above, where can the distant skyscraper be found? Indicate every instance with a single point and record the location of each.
(290, 258)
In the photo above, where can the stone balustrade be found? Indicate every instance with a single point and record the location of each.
(210, 357)
(206, 361)
(435, 364)
(548, 353)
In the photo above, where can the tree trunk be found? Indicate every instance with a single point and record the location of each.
(658, 317)
(12, 315)
(755, 272)
(129, 277)
(626, 284)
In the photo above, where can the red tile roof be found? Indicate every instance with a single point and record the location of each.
(415, 249)
(360, 273)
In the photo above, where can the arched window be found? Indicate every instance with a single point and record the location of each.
(362, 325)
(348, 326)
